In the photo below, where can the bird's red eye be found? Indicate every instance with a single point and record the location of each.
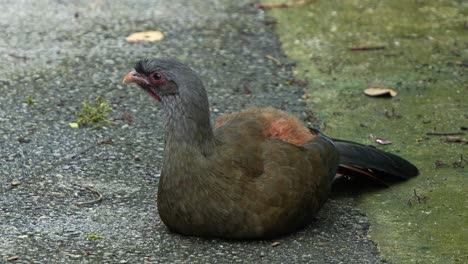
(157, 76)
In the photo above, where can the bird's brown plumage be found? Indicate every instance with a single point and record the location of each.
(259, 173)
(251, 185)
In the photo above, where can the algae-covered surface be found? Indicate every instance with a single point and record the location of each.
(420, 49)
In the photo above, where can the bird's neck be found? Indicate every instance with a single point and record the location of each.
(187, 125)
(189, 140)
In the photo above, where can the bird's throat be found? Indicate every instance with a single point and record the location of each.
(186, 125)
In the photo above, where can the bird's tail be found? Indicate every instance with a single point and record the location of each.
(359, 159)
(364, 160)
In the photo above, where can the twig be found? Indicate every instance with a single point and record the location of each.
(91, 189)
(455, 139)
(417, 198)
(275, 60)
(463, 159)
(275, 244)
(444, 133)
(416, 195)
(440, 163)
(366, 48)
(108, 141)
(18, 57)
(266, 6)
(459, 163)
(12, 258)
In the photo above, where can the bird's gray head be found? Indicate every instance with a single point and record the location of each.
(184, 100)
(163, 78)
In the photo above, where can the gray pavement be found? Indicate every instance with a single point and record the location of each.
(63, 52)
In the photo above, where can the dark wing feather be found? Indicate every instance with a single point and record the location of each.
(355, 154)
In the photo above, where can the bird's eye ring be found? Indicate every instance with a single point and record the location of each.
(157, 76)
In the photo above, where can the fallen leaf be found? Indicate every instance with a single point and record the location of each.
(444, 133)
(275, 60)
(365, 48)
(456, 139)
(75, 256)
(267, 6)
(13, 258)
(381, 141)
(440, 163)
(377, 91)
(108, 141)
(15, 183)
(275, 244)
(73, 125)
(145, 36)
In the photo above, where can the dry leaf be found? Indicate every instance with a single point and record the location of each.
(456, 139)
(381, 141)
(269, 57)
(365, 48)
(275, 244)
(73, 125)
(377, 91)
(145, 36)
(15, 183)
(281, 5)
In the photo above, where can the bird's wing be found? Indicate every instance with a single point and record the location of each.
(273, 172)
(267, 140)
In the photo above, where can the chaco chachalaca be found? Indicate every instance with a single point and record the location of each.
(259, 173)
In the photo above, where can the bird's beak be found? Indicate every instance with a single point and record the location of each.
(142, 81)
(135, 77)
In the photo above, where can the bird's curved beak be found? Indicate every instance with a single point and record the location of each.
(142, 81)
(135, 77)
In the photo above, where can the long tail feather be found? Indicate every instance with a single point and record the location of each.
(378, 161)
(368, 161)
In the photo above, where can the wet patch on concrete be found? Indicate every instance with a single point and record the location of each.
(422, 53)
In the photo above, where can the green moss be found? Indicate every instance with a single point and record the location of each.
(96, 114)
(30, 100)
(425, 60)
(92, 236)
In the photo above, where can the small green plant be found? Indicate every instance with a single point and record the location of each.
(93, 236)
(96, 114)
(30, 100)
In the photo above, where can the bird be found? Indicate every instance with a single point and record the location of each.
(255, 174)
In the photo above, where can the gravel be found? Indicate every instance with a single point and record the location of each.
(63, 52)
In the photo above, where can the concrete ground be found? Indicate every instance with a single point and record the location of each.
(60, 53)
